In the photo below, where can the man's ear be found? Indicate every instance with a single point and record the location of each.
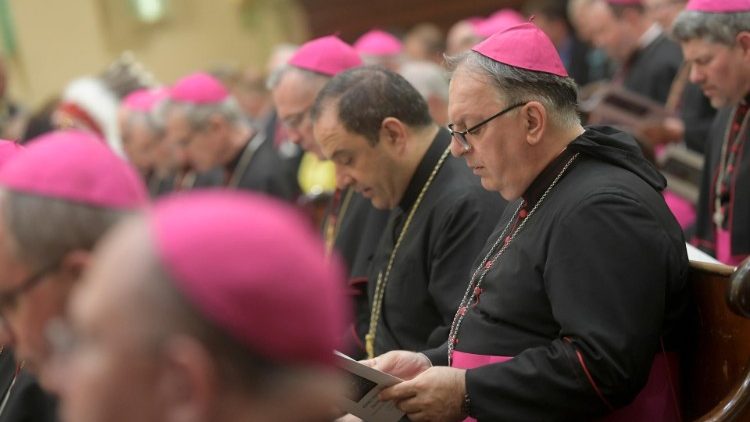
(188, 380)
(393, 133)
(535, 121)
(74, 263)
(743, 41)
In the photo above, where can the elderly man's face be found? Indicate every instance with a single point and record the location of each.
(498, 149)
(139, 141)
(109, 369)
(371, 170)
(722, 72)
(293, 97)
(28, 302)
(203, 146)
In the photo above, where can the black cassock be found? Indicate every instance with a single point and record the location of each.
(587, 288)
(357, 237)
(21, 397)
(433, 262)
(651, 70)
(259, 167)
(737, 219)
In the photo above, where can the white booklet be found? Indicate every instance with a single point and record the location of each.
(362, 394)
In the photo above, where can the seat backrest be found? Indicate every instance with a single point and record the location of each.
(715, 376)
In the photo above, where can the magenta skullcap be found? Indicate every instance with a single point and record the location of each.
(719, 6)
(523, 46)
(378, 43)
(75, 166)
(198, 88)
(8, 150)
(254, 268)
(144, 100)
(497, 22)
(326, 55)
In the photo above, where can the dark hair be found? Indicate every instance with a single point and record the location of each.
(368, 95)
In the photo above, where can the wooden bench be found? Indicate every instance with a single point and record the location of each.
(715, 370)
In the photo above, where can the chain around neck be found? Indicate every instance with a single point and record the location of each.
(491, 258)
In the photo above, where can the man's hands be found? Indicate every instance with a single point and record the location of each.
(401, 364)
(436, 395)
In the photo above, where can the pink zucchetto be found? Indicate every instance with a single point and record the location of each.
(378, 43)
(719, 6)
(497, 22)
(198, 88)
(326, 55)
(75, 166)
(8, 150)
(254, 268)
(523, 46)
(144, 100)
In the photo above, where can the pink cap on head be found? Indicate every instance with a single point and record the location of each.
(198, 88)
(499, 21)
(8, 150)
(625, 2)
(719, 6)
(144, 99)
(254, 268)
(327, 55)
(378, 43)
(75, 166)
(523, 46)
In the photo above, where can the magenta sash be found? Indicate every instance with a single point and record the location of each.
(657, 401)
(682, 209)
(724, 248)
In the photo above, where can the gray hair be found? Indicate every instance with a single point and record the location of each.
(152, 119)
(275, 78)
(198, 115)
(428, 78)
(721, 28)
(43, 230)
(559, 95)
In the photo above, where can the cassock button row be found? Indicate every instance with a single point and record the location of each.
(488, 265)
(462, 310)
(522, 214)
(477, 292)
(507, 240)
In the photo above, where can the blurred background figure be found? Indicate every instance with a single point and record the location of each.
(89, 104)
(13, 118)
(22, 398)
(664, 12)
(431, 81)
(425, 42)
(551, 17)
(380, 48)
(462, 36)
(204, 120)
(163, 330)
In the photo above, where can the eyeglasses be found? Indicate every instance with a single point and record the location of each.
(9, 298)
(460, 136)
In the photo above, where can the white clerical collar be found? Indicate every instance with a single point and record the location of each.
(649, 36)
